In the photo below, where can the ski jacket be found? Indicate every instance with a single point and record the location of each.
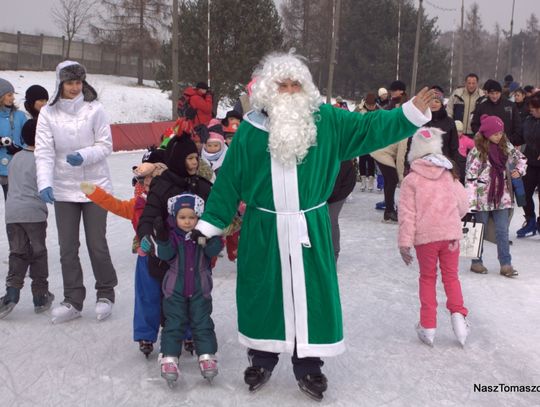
(506, 111)
(431, 205)
(478, 180)
(202, 103)
(73, 126)
(461, 105)
(11, 123)
(393, 156)
(531, 139)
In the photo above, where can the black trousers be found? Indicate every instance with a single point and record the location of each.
(301, 366)
(531, 181)
(391, 180)
(366, 164)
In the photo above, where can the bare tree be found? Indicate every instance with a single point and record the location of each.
(70, 16)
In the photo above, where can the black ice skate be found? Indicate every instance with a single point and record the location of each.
(313, 385)
(256, 377)
(189, 346)
(146, 347)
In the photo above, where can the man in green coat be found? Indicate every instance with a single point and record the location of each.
(282, 163)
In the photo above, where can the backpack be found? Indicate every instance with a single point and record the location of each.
(185, 109)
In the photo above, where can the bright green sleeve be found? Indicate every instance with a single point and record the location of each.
(361, 134)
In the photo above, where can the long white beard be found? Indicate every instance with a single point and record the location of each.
(291, 127)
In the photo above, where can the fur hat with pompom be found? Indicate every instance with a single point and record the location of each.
(426, 140)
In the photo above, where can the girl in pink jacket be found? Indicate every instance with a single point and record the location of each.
(432, 202)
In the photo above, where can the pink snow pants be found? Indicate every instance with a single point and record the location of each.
(447, 253)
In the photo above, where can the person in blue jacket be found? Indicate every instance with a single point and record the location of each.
(11, 123)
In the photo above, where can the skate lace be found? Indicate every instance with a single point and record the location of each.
(169, 368)
(208, 364)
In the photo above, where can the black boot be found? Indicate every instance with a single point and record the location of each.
(43, 302)
(390, 216)
(313, 385)
(146, 347)
(256, 377)
(189, 346)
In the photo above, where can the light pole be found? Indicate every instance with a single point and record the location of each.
(509, 70)
(416, 48)
(174, 56)
(208, 47)
(400, 2)
(333, 46)
(461, 41)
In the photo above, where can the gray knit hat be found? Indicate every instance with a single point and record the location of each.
(5, 87)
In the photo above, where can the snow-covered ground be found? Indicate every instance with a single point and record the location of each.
(124, 101)
(90, 363)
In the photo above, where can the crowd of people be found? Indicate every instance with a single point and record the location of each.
(268, 180)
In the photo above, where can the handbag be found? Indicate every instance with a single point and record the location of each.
(472, 241)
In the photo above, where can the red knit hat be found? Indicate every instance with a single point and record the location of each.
(490, 125)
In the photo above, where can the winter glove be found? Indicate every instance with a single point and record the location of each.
(160, 231)
(74, 159)
(147, 244)
(5, 141)
(88, 188)
(13, 149)
(198, 237)
(47, 195)
(405, 253)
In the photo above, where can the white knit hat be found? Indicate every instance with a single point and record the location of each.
(382, 91)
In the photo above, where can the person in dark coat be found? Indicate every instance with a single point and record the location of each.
(345, 182)
(495, 105)
(531, 180)
(182, 160)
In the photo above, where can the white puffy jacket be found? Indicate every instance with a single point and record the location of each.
(72, 126)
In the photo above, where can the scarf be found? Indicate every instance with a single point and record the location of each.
(497, 159)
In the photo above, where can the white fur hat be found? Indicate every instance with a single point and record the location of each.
(426, 140)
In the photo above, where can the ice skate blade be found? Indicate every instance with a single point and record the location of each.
(7, 310)
(103, 317)
(310, 394)
(171, 383)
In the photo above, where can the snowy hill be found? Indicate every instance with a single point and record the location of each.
(92, 363)
(124, 101)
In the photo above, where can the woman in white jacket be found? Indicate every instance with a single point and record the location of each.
(73, 140)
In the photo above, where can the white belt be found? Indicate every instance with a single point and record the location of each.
(300, 219)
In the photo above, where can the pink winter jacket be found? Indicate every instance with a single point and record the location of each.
(431, 205)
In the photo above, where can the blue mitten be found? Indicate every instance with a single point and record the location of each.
(47, 195)
(74, 159)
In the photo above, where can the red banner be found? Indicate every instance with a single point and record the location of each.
(136, 136)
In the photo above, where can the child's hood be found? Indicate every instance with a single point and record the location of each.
(431, 166)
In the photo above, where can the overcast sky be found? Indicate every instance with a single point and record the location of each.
(34, 17)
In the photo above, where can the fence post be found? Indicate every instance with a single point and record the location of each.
(41, 54)
(18, 48)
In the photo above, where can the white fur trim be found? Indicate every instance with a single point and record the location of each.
(320, 350)
(208, 229)
(267, 345)
(414, 115)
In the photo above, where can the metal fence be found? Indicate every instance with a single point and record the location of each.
(42, 53)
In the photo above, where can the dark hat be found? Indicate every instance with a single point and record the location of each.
(154, 155)
(36, 92)
(201, 131)
(185, 200)
(234, 114)
(397, 85)
(492, 85)
(177, 150)
(508, 78)
(370, 99)
(201, 85)
(528, 88)
(28, 132)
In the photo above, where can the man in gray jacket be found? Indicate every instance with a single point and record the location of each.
(26, 219)
(462, 102)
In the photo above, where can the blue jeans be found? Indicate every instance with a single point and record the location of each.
(501, 219)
